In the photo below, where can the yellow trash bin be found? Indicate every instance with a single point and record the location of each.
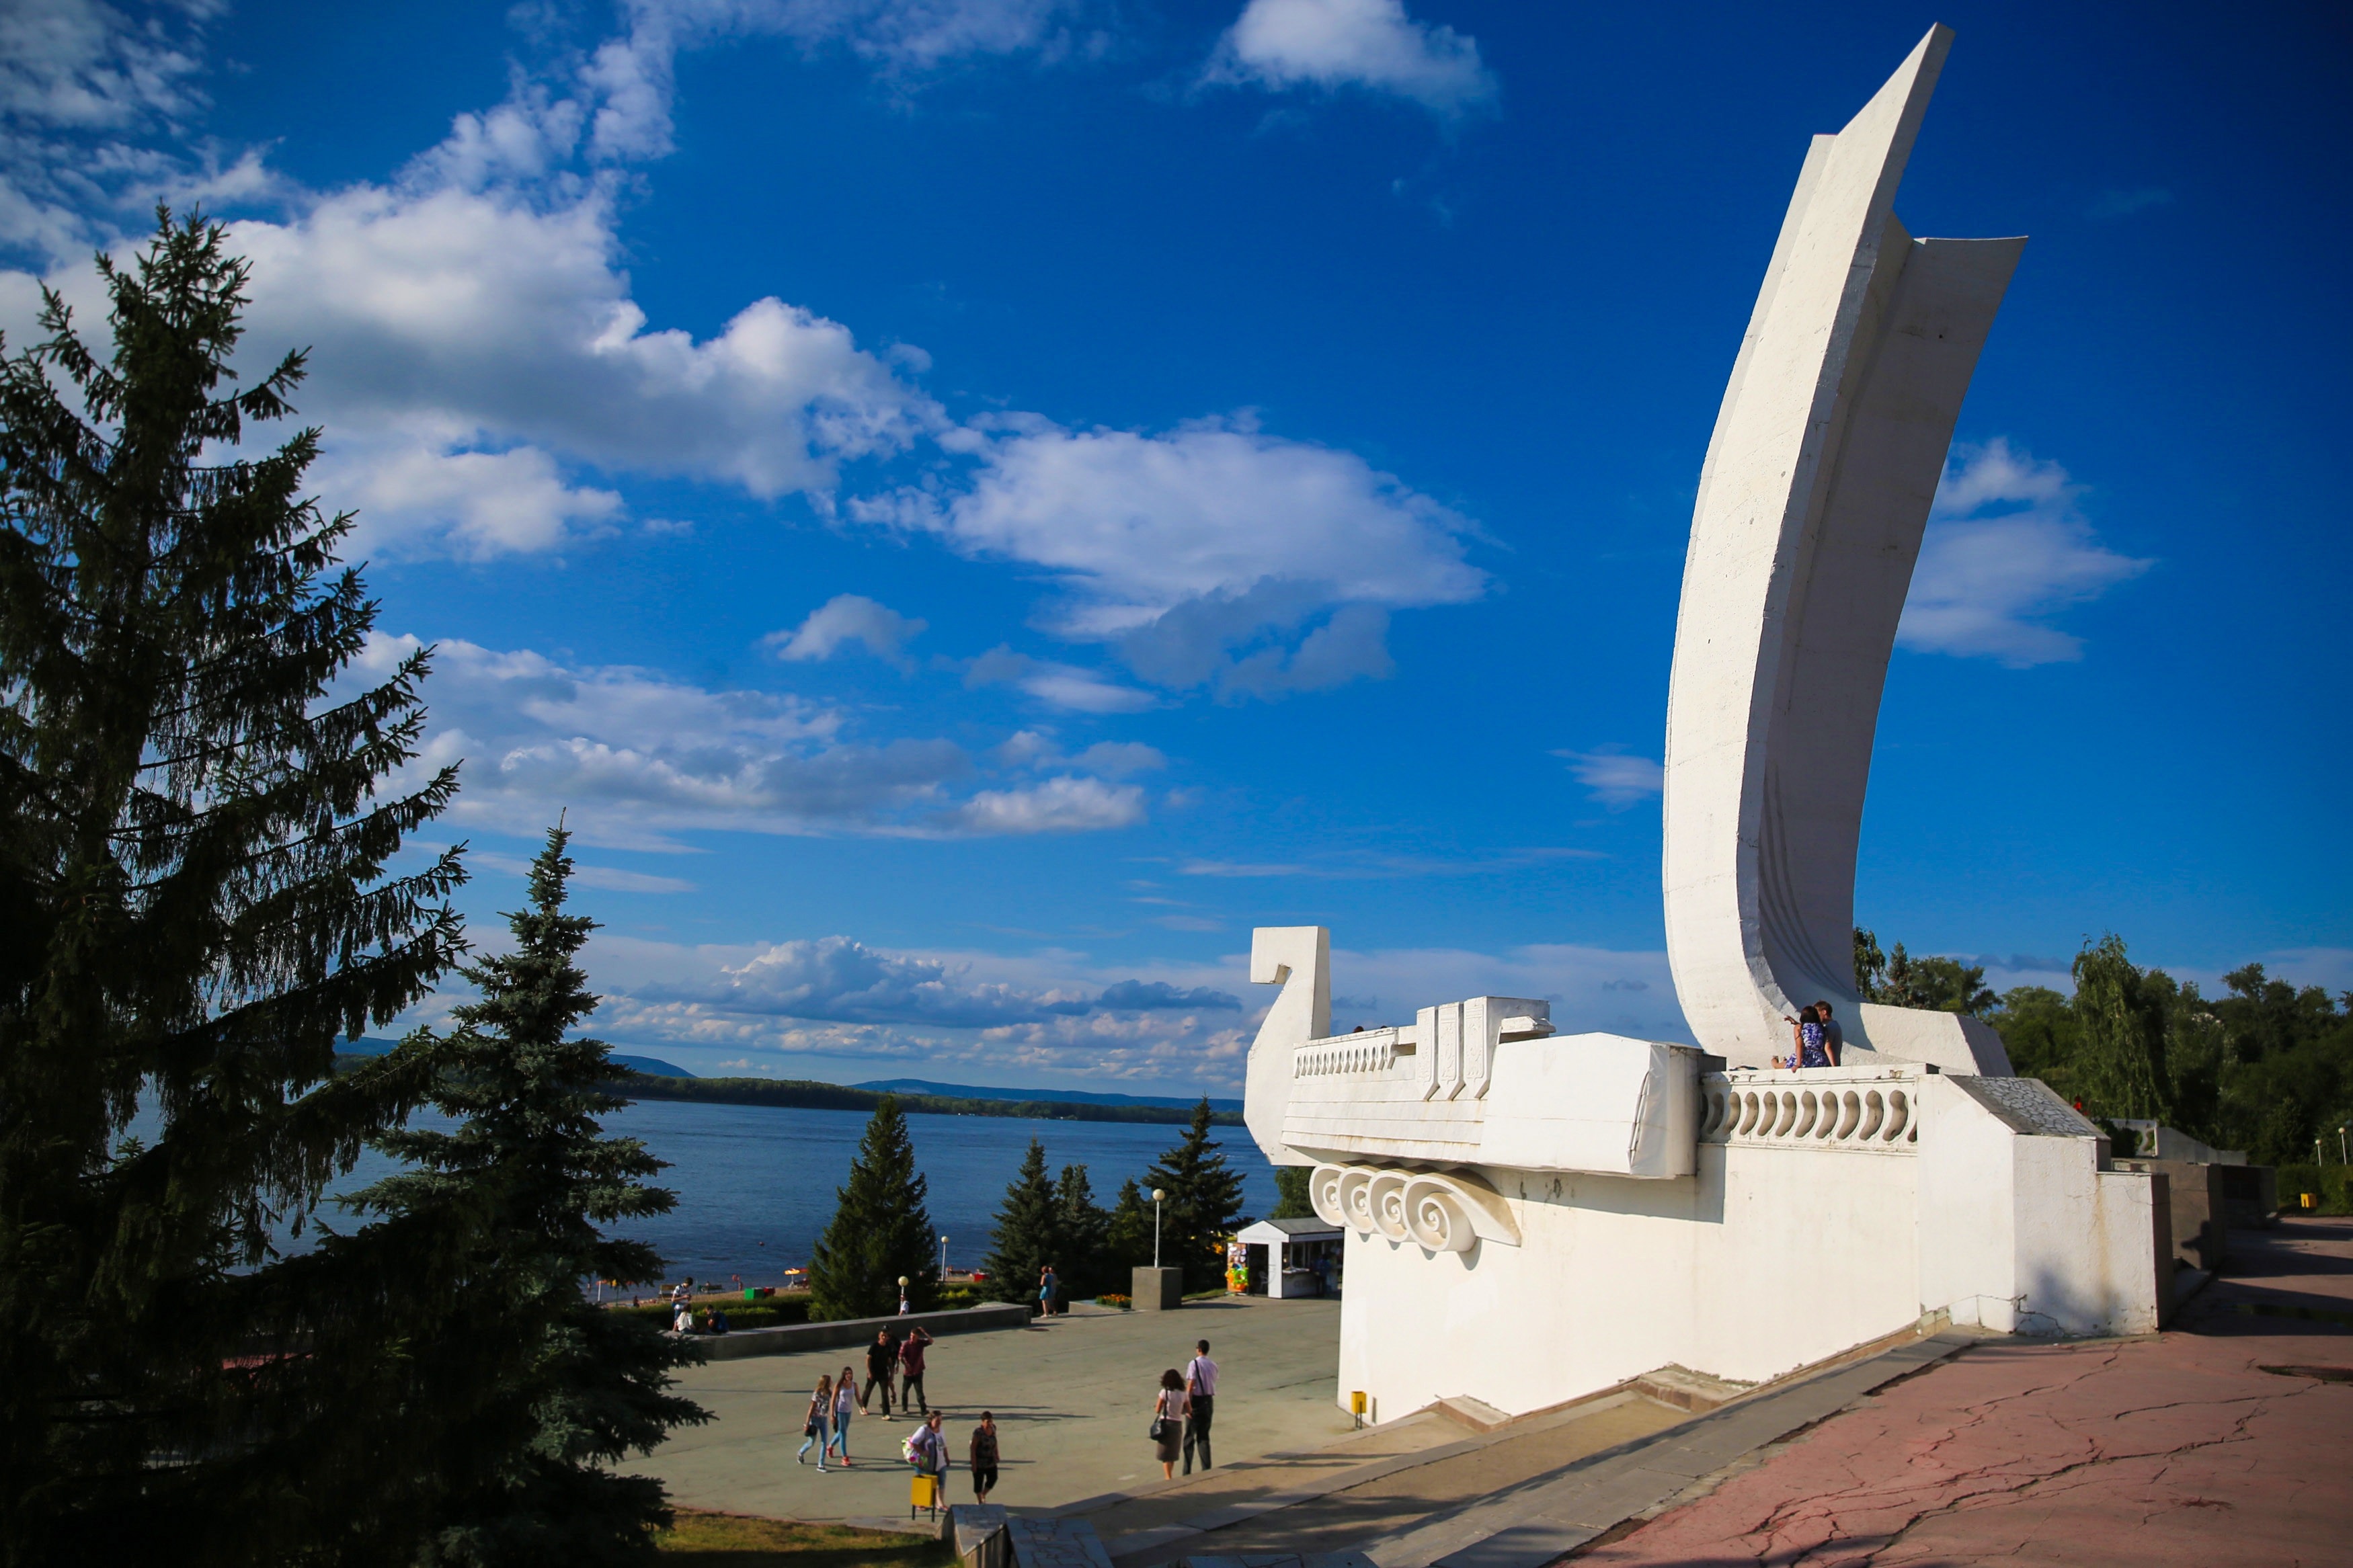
(924, 1492)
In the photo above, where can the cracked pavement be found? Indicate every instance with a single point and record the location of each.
(2177, 1448)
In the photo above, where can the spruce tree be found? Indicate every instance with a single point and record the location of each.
(880, 1231)
(1203, 1205)
(1291, 1198)
(194, 907)
(1127, 1236)
(1079, 1228)
(1028, 1232)
(534, 1388)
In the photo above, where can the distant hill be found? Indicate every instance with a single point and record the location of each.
(1049, 1096)
(652, 1067)
(650, 1077)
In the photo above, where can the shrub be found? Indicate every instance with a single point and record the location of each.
(2332, 1185)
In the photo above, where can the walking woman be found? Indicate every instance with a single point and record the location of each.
(1168, 1407)
(820, 1424)
(845, 1402)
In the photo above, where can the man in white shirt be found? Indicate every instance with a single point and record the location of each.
(1201, 1399)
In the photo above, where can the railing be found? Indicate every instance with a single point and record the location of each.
(1376, 1051)
(1873, 1111)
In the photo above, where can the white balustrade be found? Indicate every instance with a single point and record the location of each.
(1872, 1111)
(1375, 1051)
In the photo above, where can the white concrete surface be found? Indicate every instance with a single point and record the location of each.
(1813, 1222)
(1533, 1219)
(1812, 500)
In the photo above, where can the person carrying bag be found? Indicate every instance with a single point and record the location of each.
(1167, 1428)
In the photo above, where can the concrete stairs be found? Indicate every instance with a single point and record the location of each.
(1463, 1485)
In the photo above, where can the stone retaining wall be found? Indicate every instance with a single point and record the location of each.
(791, 1339)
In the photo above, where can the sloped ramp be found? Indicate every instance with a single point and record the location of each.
(1518, 1498)
(1546, 1517)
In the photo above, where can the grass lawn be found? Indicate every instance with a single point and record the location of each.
(739, 1540)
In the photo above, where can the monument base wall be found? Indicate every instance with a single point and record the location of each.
(1761, 1261)
(1772, 1256)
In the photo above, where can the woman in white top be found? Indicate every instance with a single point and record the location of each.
(845, 1403)
(819, 1426)
(1168, 1407)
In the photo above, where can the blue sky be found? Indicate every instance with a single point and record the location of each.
(973, 504)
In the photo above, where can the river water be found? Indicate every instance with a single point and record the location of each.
(755, 1183)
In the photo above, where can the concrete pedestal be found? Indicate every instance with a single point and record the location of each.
(1157, 1290)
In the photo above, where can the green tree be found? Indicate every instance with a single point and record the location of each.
(1203, 1205)
(1870, 966)
(2040, 1033)
(1290, 1197)
(1128, 1238)
(881, 1232)
(194, 907)
(1934, 983)
(1080, 1228)
(2286, 1076)
(1949, 986)
(535, 1389)
(1028, 1232)
(2122, 1058)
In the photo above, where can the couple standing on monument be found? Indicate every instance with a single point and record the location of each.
(1818, 1039)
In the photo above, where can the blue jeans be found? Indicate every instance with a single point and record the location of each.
(839, 1441)
(822, 1438)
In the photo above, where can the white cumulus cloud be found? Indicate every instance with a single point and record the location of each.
(639, 758)
(844, 619)
(415, 498)
(1369, 44)
(460, 319)
(2006, 548)
(835, 979)
(1210, 554)
(1061, 805)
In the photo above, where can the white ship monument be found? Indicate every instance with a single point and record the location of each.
(1532, 1216)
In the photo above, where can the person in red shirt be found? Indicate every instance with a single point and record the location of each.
(910, 1370)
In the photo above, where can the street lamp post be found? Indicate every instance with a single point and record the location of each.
(902, 1294)
(1157, 1196)
(943, 1259)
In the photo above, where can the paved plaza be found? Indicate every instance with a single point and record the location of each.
(2222, 1440)
(1072, 1398)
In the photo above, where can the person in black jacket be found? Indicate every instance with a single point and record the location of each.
(881, 1365)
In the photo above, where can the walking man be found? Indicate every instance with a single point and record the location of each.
(910, 1370)
(1201, 1398)
(882, 1362)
